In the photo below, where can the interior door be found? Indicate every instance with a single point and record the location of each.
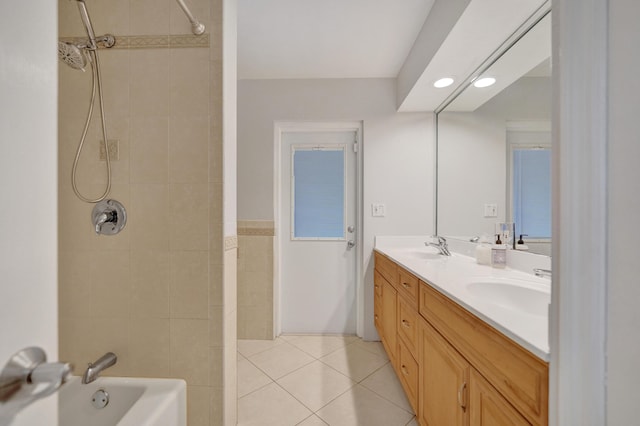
(317, 223)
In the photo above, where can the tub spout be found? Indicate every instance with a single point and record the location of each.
(94, 369)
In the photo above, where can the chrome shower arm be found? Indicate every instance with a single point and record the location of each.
(196, 26)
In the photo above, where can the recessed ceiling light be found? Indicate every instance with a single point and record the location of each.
(484, 82)
(443, 82)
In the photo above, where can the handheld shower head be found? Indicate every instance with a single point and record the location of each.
(86, 21)
(72, 55)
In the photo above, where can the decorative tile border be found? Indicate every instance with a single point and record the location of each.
(261, 228)
(230, 243)
(152, 41)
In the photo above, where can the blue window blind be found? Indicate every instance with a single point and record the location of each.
(532, 192)
(318, 193)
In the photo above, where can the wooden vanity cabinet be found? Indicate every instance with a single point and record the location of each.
(444, 381)
(455, 368)
(488, 408)
(385, 304)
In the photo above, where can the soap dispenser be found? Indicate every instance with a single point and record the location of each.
(498, 254)
(521, 245)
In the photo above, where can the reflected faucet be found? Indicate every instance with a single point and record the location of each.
(94, 369)
(539, 272)
(441, 245)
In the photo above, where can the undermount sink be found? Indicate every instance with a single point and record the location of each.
(520, 295)
(421, 253)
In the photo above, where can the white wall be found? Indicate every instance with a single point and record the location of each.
(623, 345)
(471, 172)
(28, 182)
(398, 153)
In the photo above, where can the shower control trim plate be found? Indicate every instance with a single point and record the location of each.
(108, 217)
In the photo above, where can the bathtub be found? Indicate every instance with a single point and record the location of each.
(131, 402)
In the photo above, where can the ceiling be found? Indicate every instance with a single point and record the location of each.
(326, 38)
(303, 39)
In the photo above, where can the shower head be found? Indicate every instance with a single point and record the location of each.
(72, 55)
(86, 21)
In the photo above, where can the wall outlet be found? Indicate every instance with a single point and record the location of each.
(490, 210)
(377, 210)
(114, 150)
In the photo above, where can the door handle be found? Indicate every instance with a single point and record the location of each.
(351, 229)
(351, 244)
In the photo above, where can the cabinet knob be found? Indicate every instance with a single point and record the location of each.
(405, 285)
(406, 324)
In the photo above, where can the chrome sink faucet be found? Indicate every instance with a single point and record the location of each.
(441, 245)
(94, 369)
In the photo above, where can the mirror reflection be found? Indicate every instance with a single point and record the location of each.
(494, 148)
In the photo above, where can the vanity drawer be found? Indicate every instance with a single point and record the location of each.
(521, 377)
(408, 287)
(408, 325)
(408, 373)
(387, 268)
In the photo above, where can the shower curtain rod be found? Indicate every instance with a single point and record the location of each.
(196, 26)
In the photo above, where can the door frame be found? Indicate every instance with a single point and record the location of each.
(281, 127)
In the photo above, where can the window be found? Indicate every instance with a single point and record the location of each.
(318, 193)
(531, 191)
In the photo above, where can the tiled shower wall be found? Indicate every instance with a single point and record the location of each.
(255, 279)
(153, 294)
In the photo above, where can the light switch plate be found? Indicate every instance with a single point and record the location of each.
(490, 210)
(377, 210)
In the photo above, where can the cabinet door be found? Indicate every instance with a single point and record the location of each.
(377, 301)
(444, 381)
(489, 408)
(389, 297)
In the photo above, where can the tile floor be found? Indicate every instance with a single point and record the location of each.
(318, 380)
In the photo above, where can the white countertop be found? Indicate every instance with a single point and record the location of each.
(451, 275)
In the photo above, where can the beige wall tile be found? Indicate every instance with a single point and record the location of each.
(149, 83)
(150, 17)
(198, 405)
(149, 216)
(74, 287)
(74, 338)
(149, 347)
(149, 150)
(188, 149)
(110, 17)
(73, 95)
(114, 70)
(190, 350)
(216, 365)
(215, 326)
(255, 322)
(150, 277)
(110, 284)
(189, 82)
(216, 407)
(189, 221)
(216, 291)
(189, 289)
(69, 23)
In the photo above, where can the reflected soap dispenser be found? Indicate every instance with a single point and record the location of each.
(498, 254)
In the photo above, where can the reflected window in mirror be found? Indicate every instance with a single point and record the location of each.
(531, 190)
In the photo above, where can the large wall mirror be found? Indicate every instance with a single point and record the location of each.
(494, 146)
